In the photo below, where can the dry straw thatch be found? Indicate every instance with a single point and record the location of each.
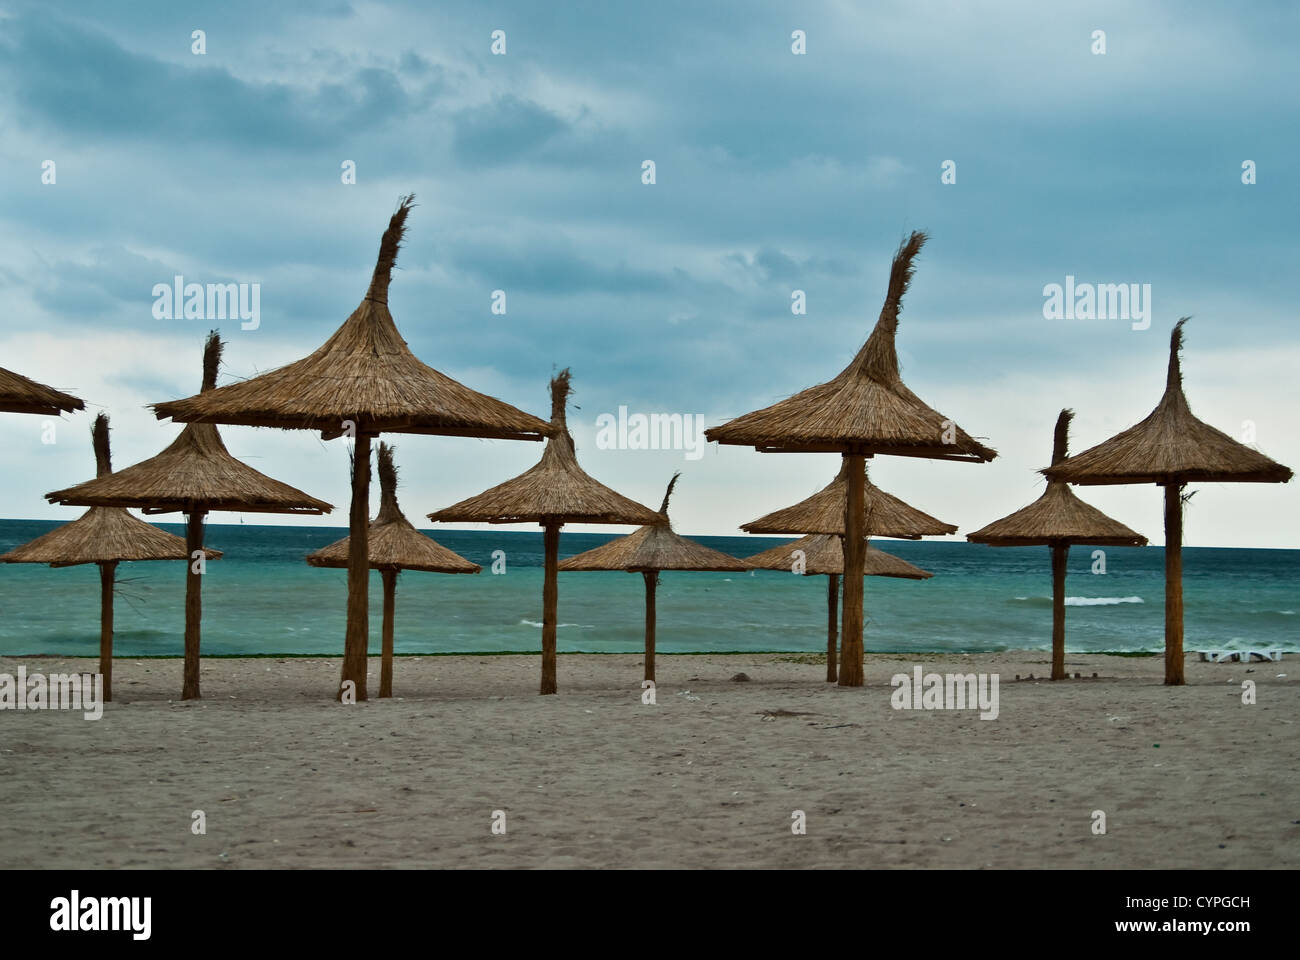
(21, 395)
(884, 515)
(654, 547)
(824, 554)
(364, 373)
(556, 489)
(394, 545)
(194, 475)
(362, 382)
(1057, 516)
(1057, 519)
(1172, 448)
(105, 536)
(554, 492)
(866, 410)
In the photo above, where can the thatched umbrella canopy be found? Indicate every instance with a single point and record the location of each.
(884, 515)
(1171, 448)
(194, 475)
(20, 395)
(105, 536)
(823, 554)
(1058, 519)
(652, 548)
(362, 382)
(554, 492)
(394, 545)
(866, 410)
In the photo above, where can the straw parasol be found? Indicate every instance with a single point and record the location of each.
(824, 554)
(394, 545)
(554, 492)
(105, 536)
(864, 411)
(20, 395)
(884, 515)
(1057, 519)
(362, 382)
(1170, 448)
(821, 554)
(194, 475)
(650, 549)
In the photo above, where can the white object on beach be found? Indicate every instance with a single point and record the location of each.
(1240, 656)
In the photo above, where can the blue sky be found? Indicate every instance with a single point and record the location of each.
(774, 172)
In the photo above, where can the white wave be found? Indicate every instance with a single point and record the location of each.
(535, 623)
(1100, 601)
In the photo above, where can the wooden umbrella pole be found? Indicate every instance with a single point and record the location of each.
(832, 624)
(1174, 585)
(1060, 552)
(193, 602)
(851, 635)
(651, 581)
(106, 574)
(550, 594)
(357, 638)
(390, 606)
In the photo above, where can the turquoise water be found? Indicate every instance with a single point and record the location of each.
(262, 598)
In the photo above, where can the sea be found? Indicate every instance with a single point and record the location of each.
(263, 599)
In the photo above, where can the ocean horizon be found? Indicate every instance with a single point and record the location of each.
(263, 599)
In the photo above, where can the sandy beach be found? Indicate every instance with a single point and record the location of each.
(709, 776)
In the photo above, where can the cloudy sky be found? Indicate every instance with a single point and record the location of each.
(774, 171)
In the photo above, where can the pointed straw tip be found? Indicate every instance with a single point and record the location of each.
(99, 440)
(1061, 438)
(1175, 349)
(561, 388)
(388, 248)
(212, 350)
(387, 470)
(663, 509)
(900, 276)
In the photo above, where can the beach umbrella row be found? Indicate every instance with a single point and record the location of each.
(1170, 448)
(394, 545)
(1056, 520)
(364, 381)
(647, 551)
(105, 536)
(194, 475)
(552, 493)
(864, 411)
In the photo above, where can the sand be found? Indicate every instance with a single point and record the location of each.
(1187, 777)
